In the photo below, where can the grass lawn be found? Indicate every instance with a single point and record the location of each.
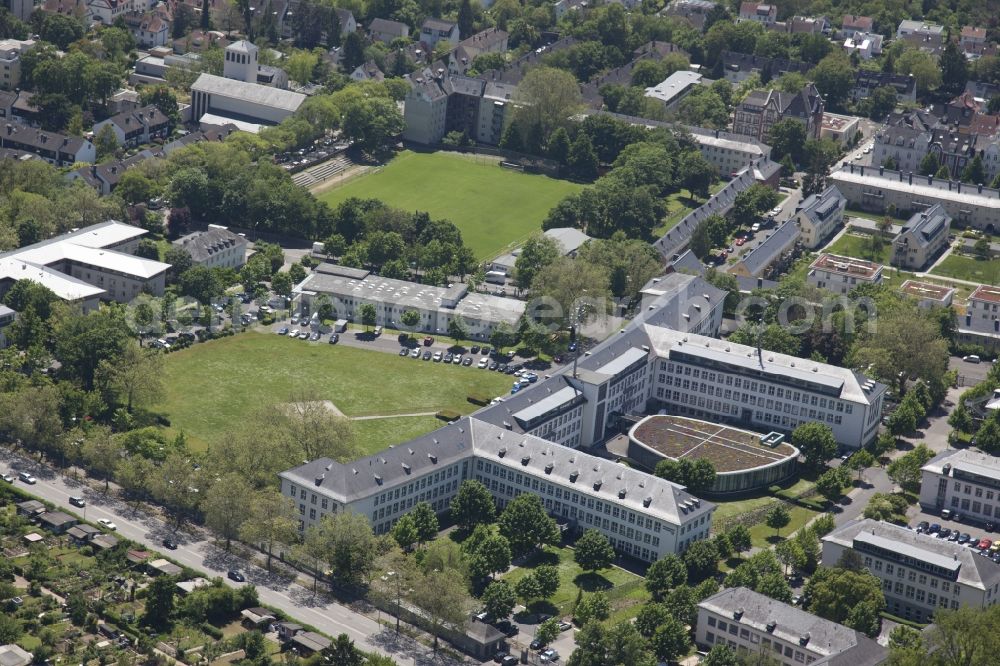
(878, 217)
(626, 591)
(763, 536)
(859, 247)
(680, 204)
(212, 385)
(377, 434)
(495, 208)
(962, 267)
(726, 510)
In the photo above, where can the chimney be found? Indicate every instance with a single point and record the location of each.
(911, 178)
(881, 170)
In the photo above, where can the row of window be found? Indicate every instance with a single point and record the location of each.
(767, 643)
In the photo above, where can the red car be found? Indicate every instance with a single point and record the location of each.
(740, 241)
(985, 544)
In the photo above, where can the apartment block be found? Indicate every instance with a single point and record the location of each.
(842, 275)
(981, 323)
(919, 573)
(965, 481)
(762, 109)
(922, 238)
(819, 216)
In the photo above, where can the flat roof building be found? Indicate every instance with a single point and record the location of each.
(242, 101)
(919, 573)
(928, 294)
(674, 88)
(842, 274)
(749, 621)
(965, 481)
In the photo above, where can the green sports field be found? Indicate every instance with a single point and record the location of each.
(495, 208)
(210, 387)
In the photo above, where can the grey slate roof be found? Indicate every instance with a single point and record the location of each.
(734, 61)
(973, 570)
(822, 205)
(762, 256)
(443, 25)
(926, 226)
(387, 27)
(201, 245)
(792, 624)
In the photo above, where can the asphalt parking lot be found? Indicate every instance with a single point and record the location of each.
(969, 374)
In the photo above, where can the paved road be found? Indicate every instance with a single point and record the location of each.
(197, 552)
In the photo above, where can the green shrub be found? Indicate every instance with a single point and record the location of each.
(774, 490)
(478, 399)
(448, 415)
(211, 630)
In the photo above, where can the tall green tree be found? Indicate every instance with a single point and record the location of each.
(472, 505)
(593, 551)
(526, 525)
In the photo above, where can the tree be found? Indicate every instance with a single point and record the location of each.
(466, 19)
(739, 538)
(499, 599)
(547, 631)
(106, 142)
(101, 452)
(503, 336)
(905, 470)
(860, 461)
(671, 640)
(787, 137)
(593, 551)
(371, 122)
(721, 655)
(159, 601)
(829, 485)
(490, 557)
(61, 30)
(311, 430)
(582, 159)
(816, 443)
(578, 287)
(974, 172)
(405, 532)
(84, 341)
(134, 187)
(790, 554)
(135, 375)
(954, 70)
(225, 506)
(351, 546)
(410, 318)
(270, 519)
(201, 283)
(425, 521)
(929, 165)
(559, 146)
(881, 103)
(664, 575)
(701, 559)
(547, 580)
(849, 597)
(472, 505)
(923, 67)
(546, 97)
(697, 174)
(353, 52)
(594, 606)
(834, 78)
(368, 315)
(778, 517)
(525, 524)
(536, 253)
(697, 475)
(443, 598)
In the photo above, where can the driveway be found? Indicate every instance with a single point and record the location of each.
(195, 550)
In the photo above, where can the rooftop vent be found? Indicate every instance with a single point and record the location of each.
(502, 452)
(378, 479)
(574, 475)
(433, 458)
(771, 626)
(319, 479)
(646, 501)
(548, 468)
(804, 638)
(621, 493)
(597, 484)
(738, 613)
(406, 468)
(525, 460)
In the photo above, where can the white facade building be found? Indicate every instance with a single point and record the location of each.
(642, 515)
(752, 622)
(674, 88)
(820, 215)
(842, 275)
(249, 103)
(965, 481)
(217, 247)
(919, 573)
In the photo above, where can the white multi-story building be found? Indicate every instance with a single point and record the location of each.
(922, 238)
(723, 381)
(727, 152)
(217, 247)
(642, 515)
(674, 88)
(10, 61)
(751, 622)
(842, 275)
(919, 573)
(965, 481)
(820, 215)
(981, 323)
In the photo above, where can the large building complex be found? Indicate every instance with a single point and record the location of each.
(347, 289)
(87, 265)
(876, 189)
(920, 574)
(751, 622)
(642, 515)
(964, 481)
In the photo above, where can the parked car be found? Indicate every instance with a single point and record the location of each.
(8, 478)
(437, 357)
(457, 359)
(483, 363)
(944, 533)
(404, 352)
(107, 523)
(507, 627)
(294, 333)
(27, 478)
(428, 341)
(314, 337)
(447, 358)
(972, 358)
(467, 361)
(934, 528)
(415, 353)
(923, 526)
(954, 536)
(551, 655)
(235, 575)
(427, 356)
(304, 335)
(474, 349)
(565, 626)
(170, 544)
(985, 544)
(334, 338)
(77, 501)
(509, 661)
(499, 655)
(536, 645)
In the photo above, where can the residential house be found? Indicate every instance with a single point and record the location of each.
(367, 71)
(107, 11)
(771, 256)
(386, 31)
(919, 573)
(838, 128)
(133, 128)
(922, 28)
(867, 81)
(30, 508)
(807, 25)
(853, 23)
(928, 294)
(693, 11)
(348, 23)
(972, 41)
(755, 624)
(78, 9)
(867, 45)
(674, 88)
(54, 148)
(906, 139)
(82, 534)
(440, 102)
(434, 30)
(198, 40)
(150, 29)
(490, 40)
(15, 655)
(981, 323)
(217, 247)
(738, 67)
(923, 237)
(56, 521)
(819, 216)
(759, 12)
(953, 149)
(761, 109)
(103, 178)
(11, 51)
(842, 275)
(7, 99)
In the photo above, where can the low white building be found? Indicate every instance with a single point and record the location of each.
(928, 295)
(11, 51)
(964, 481)
(819, 216)
(981, 323)
(569, 240)
(919, 573)
(751, 622)
(216, 247)
(250, 103)
(867, 45)
(841, 129)
(674, 88)
(842, 274)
